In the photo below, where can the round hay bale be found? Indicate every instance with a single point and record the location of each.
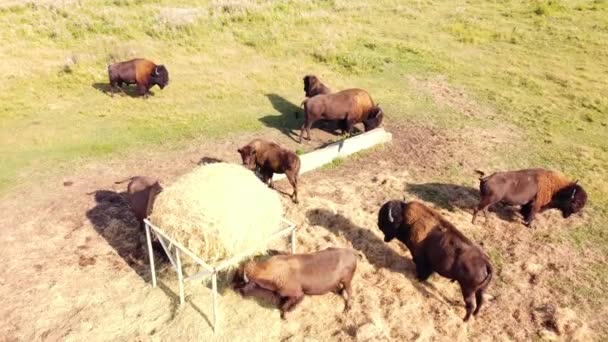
(218, 211)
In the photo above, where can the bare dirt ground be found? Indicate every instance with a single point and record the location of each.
(74, 267)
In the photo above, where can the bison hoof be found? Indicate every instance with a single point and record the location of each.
(283, 315)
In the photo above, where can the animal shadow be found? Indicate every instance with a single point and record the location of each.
(291, 118)
(453, 196)
(208, 160)
(113, 219)
(129, 90)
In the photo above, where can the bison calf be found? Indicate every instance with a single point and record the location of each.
(142, 192)
(535, 190)
(138, 71)
(437, 246)
(290, 277)
(349, 107)
(270, 158)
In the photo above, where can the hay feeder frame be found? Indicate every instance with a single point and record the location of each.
(167, 243)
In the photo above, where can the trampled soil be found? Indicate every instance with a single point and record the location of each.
(75, 266)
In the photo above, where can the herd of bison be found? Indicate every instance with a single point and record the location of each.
(435, 244)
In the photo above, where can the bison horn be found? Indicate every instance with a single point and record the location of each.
(245, 277)
(390, 214)
(573, 192)
(156, 71)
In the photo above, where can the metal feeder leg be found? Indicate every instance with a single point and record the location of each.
(215, 313)
(151, 256)
(180, 276)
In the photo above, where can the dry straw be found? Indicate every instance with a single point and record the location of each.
(217, 211)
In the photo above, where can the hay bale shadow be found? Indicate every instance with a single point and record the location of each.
(113, 219)
(454, 196)
(129, 90)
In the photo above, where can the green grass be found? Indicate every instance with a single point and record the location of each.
(236, 65)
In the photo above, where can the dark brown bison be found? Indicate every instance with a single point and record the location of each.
(437, 246)
(290, 277)
(270, 158)
(138, 71)
(349, 107)
(313, 86)
(142, 192)
(535, 190)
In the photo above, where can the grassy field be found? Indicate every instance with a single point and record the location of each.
(236, 66)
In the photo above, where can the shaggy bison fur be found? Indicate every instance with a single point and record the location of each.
(437, 246)
(138, 71)
(289, 277)
(349, 107)
(313, 86)
(535, 190)
(270, 158)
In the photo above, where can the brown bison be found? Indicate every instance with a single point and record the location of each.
(270, 158)
(138, 71)
(535, 190)
(290, 277)
(437, 246)
(313, 86)
(349, 107)
(142, 192)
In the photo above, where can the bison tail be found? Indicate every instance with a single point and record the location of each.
(480, 173)
(488, 278)
(303, 105)
(124, 180)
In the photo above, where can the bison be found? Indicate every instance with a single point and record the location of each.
(313, 86)
(290, 277)
(535, 190)
(142, 192)
(349, 107)
(437, 246)
(138, 71)
(269, 158)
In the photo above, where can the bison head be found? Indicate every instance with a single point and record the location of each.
(390, 217)
(160, 76)
(248, 156)
(571, 199)
(309, 81)
(374, 119)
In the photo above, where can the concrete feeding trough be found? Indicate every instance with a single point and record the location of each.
(340, 149)
(174, 250)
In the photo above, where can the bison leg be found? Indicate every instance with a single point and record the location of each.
(142, 89)
(293, 180)
(469, 301)
(267, 178)
(479, 298)
(531, 212)
(348, 130)
(423, 268)
(290, 304)
(483, 205)
(306, 126)
(347, 294)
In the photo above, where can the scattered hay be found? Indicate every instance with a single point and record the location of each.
(218, 210)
